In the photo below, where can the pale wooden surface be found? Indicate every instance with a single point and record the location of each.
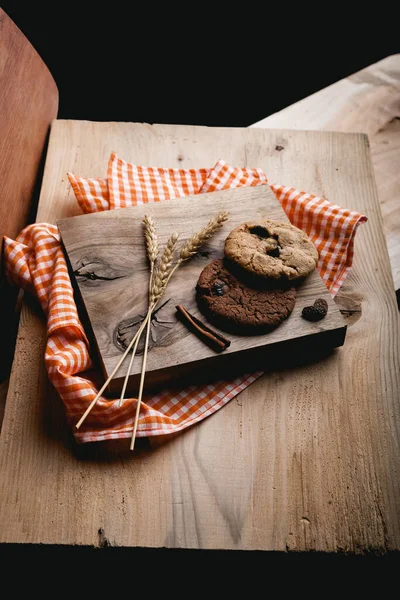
(368, 102)
(303, 459)
(110, 245)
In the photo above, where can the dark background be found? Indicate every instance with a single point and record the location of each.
(224, 65)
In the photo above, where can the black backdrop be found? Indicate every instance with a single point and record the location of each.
(196, 65)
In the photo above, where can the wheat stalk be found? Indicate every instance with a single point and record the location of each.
(151, 240)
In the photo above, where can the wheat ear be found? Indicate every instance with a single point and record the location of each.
(197, 240)
(151, 240)
(162, 273)
(194, 243)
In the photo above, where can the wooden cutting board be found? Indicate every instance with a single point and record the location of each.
(109, 269)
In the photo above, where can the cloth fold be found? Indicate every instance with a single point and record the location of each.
(35, 261)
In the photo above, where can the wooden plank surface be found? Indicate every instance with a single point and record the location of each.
(368, 102)
(110, 245)
(304, 459)
(28, 104)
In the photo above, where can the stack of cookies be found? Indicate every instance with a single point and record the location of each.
(252, 289)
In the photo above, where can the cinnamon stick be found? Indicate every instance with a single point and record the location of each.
(215, 340)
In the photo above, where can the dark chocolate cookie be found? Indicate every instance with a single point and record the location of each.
(234, 306)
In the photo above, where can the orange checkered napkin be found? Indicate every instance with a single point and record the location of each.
(35, 261)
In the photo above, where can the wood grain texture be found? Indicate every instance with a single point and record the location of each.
(28, 104)
(385, 150)
(109, 266)
(304, 459)
(368, 102)
(3, 396)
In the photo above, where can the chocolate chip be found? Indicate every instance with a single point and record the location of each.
(217, 289)
(275, 252)
(316, 312)
(262, 232)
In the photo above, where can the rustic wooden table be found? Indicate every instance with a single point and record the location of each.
(304, 459)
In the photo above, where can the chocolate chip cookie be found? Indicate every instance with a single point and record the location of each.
(271, 249)
(234, 306)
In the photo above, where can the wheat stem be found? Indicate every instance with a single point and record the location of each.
(121, 360)
(142, 375)
(131, 363)
(151, 240)
(136, 343)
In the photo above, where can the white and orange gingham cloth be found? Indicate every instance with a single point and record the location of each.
(35, 261)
